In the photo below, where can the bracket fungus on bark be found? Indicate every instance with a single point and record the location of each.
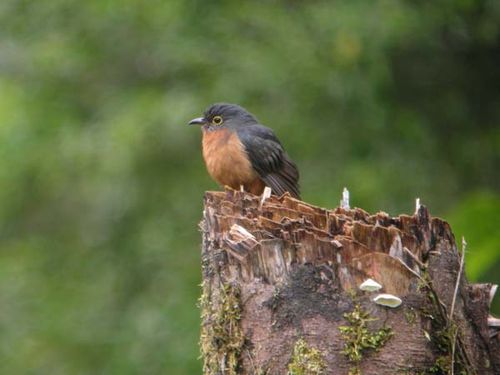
(388, 300)
(370, 285)
(292, 272)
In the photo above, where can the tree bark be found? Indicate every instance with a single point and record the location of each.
(280, 292)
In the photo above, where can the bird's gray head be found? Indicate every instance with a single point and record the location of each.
(224, 115)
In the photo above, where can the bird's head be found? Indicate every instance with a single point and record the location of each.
(224, 115)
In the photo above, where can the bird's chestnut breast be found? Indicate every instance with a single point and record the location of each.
(226, 159)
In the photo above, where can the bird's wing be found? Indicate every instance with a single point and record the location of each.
(270, 160)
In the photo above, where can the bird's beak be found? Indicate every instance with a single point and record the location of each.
(198, 121)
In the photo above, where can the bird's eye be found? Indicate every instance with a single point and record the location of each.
(217, 120)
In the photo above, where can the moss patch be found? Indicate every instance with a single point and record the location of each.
(410, 315)
(358, 338)
(306, 360)
(222, 338)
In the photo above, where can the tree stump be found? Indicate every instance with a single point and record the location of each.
(281, 292)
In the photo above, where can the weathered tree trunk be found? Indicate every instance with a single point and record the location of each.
(281, 292)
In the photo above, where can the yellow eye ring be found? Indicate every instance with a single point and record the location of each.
(217, 120)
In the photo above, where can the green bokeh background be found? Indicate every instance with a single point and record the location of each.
(101, 182)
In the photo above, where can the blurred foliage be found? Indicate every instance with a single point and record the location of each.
(101, 182)
(476, 218)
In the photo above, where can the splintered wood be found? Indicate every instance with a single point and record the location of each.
(298, 268)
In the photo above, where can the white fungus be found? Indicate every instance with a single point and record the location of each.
(370, 285)
(387, 300)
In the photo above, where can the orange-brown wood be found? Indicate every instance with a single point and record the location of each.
(227, 161)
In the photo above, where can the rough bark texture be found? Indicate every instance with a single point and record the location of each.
(281, 292)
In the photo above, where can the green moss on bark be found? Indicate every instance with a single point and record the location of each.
(306, 360)
(222, 338)
(358, 338)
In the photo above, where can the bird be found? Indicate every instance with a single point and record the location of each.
(239, 152)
